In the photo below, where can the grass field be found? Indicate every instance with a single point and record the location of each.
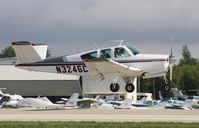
(12, 124)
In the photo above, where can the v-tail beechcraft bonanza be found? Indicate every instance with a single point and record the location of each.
(111, 64)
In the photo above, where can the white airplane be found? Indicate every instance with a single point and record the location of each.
(82, 103)
(177, 104)
(109, 63)
(126, 104)
(8, 100)
(108, 104)
(43, 103)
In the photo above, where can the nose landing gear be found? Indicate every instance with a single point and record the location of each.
(167, 87)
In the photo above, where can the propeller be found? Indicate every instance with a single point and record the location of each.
(171, 71)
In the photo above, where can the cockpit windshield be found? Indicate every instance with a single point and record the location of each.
(133, 50)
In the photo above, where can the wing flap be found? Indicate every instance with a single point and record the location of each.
(100, 68)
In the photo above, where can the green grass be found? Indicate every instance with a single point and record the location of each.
(13, 124)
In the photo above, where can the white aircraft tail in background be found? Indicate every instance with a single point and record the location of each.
(177, 94)
(72, 102)
(28, 53)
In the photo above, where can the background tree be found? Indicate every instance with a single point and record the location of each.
(7, 52)
(186, 74)
(187, 59)
(48, 54)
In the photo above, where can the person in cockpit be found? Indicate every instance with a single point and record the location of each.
(119, 52)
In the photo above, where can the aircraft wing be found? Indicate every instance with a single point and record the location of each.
(100, 68)
(86, 101)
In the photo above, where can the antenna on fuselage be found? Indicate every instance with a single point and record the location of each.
(95, 44)
(120, 42)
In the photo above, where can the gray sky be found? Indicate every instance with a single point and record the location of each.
(69, 26)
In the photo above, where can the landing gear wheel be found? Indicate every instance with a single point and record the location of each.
(167, 88)
(130, 87)
(114, 87)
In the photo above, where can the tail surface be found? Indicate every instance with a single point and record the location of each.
(177, 93)
(72, 102)
(1, 93)
(27, 52)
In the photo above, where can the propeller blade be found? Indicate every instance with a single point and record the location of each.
(171, 52)
(171, 71)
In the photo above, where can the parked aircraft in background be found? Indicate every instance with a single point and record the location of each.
(182, 101)
(124, 104)
(8, 100)
(81, 103)
(177, 104)
(43, 103)
(111, 63)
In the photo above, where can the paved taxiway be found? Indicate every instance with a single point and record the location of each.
(100, 115)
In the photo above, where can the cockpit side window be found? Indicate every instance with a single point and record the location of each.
(121, 53)
(91, 55)
(105, 53)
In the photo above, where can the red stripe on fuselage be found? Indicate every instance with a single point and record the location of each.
(82, 63)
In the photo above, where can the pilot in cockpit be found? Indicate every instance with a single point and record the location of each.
(119, 52)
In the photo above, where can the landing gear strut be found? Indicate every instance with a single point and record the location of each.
(167, 87)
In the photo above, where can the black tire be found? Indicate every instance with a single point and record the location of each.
(130, 87)
(114, 87)
(167, 88)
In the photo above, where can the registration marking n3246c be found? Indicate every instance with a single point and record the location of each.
(71, 69)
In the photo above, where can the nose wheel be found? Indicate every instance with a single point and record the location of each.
(167, 88)
(130, 87)
(114, 87)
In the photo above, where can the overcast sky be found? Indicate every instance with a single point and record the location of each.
(68, 26)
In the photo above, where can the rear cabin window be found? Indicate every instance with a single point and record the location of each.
(91, 55)
(106, 53)
(121, 53)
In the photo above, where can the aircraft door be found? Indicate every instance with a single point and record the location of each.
(106, 53)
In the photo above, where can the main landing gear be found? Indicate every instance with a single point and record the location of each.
(114, 87)
(130, 87)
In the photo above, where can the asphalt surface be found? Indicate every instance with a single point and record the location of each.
(100, 115)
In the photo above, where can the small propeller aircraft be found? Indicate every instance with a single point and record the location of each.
(109, 63)
(8, 100)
